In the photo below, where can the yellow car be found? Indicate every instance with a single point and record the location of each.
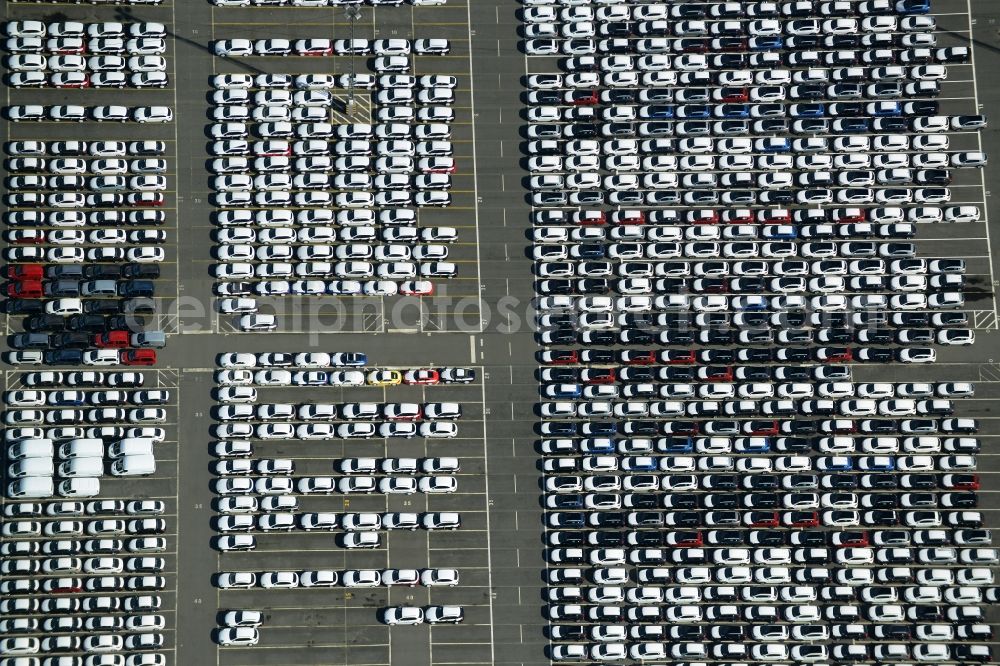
(385, 378)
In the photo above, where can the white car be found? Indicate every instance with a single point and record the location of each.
(241, 636)
(403, 615)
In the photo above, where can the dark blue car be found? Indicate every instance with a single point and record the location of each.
(559, 428)
(675, 445)
(599, 429)
(913, 6)
(854, 125)
(766, 43)
(732, 111)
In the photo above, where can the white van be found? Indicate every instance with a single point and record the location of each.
(141, 465)
(31, 486)
(131, 446)
(88, 466)
(30, 448)
(31, 467)
(82, 448)
(85, 486)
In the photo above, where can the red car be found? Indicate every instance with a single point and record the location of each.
(589, 217)
(636, 357)
(801, 519)
(761, 428)
(417, 288)
(761, 518)
(111, 340)
(738, 216)
(681, 427)
(26, 289)
(26, 272)
(733, 95)
(26, 236)
(836, 355)
(422, 377)
(146, 199)
(137, 357)
(960, 481)
(560, 357)
(597, 376)
(849, 215)
(677, 356)
(581, 97)
(439, 165)
(716, 374)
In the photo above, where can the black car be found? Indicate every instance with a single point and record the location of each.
(597, 356)
(25, 306)
(717, 355)
(877, 426)
(86, 322)
(719, 501)
(793, 444)
(840, 481)
(722, 481)
(101, 306)
(598, 428)
(559, 375)
(568, 632)
(874, 336)
(593, 286)
(883, 500)
(72, 340)
(678, 501)
(891, 125)
(607, 539)
(615, 29)
(567, 538)
(545, 97)
(884, 482)
(636, 337)
(147, 271)
(64, 272)
(682, 633)
(767, 537)
(761, 482)
(64, 357)
(126, 323)
(645, 539)
(726, 537)
(646, 428)
(45, 322)
(102, 272)
(568, 501)
(558, 428)
(607, 519)
(808, 539)
(559, 336)
(557, 287)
